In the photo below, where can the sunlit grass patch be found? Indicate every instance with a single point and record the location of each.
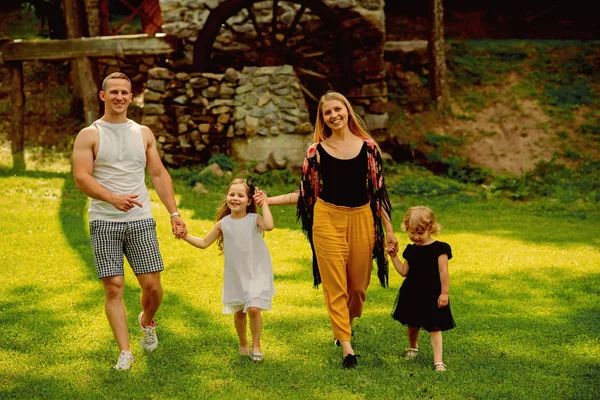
(523, 289)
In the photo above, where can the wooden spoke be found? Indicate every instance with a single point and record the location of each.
(273, 34)
(292, 28)
(312, 55)
(274, 23)
(301, 70)
(308, 93)
(256, 27)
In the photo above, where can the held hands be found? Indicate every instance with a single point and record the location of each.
(391, 251)
(260, 197)
(442, 300)
(391, 244)
(179, 227)
(125, 202)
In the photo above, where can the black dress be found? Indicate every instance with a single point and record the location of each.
(416, 303)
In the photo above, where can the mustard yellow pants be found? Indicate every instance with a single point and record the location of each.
(343, 238)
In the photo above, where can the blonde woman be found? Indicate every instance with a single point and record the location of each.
(345, 212)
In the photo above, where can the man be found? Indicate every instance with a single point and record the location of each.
(109, 161)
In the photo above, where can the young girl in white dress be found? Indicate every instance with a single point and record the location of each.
(248, 281)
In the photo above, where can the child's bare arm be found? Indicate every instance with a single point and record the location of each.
(444, 279)
(401, 267)
(206, 241)
(265, 222)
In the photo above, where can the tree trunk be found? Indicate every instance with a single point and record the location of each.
(437, 55)
(72, 11)
(84, 78)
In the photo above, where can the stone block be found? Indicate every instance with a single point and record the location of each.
(291, 147)
(277, 160)
(377, 121)
(161, 73)
(151, 96)
(157, 85)
(231, 75)
(154, 109)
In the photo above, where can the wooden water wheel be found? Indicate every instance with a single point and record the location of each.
(303, 33)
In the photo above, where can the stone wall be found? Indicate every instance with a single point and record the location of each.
(136, 68)
(271, 115)
(249, 114)
(248, 130)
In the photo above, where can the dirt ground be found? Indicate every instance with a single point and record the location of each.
(509, 135)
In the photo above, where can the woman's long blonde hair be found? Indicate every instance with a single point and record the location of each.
(223, 210)
(355, 123)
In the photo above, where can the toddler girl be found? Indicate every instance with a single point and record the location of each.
(422, 301)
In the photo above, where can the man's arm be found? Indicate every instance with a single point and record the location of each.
(83, 166)
(162, 182)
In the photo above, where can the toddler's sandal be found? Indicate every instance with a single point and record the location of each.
(410, 353)
(439, 367)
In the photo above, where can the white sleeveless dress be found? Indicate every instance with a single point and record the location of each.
(248, 276)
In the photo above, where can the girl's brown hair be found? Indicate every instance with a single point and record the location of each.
(223, 210)
(421, 217)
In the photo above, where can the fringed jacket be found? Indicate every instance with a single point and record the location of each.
(310, 187)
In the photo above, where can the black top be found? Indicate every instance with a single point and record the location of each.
(344, 180)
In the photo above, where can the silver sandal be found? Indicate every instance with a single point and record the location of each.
(410, 353)
(439, 367)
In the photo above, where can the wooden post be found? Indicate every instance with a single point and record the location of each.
(89, 86)
(73, 26)
(83, 72)
(17, 99)
(89, 90)
(92, 10)
(437, 55)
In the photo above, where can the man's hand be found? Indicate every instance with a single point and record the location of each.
(179, 227)
(125, 202)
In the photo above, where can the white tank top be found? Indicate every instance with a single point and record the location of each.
(120, 167)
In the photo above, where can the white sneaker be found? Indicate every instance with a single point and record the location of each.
(125, 360)
(149, 341)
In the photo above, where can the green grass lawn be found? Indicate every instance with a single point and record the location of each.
(524, 289)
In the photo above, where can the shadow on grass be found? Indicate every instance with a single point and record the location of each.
(532, 327)
(181, 358)
(72, 212)
(8, 172)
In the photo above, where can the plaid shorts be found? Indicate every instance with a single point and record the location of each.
(134, 239)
